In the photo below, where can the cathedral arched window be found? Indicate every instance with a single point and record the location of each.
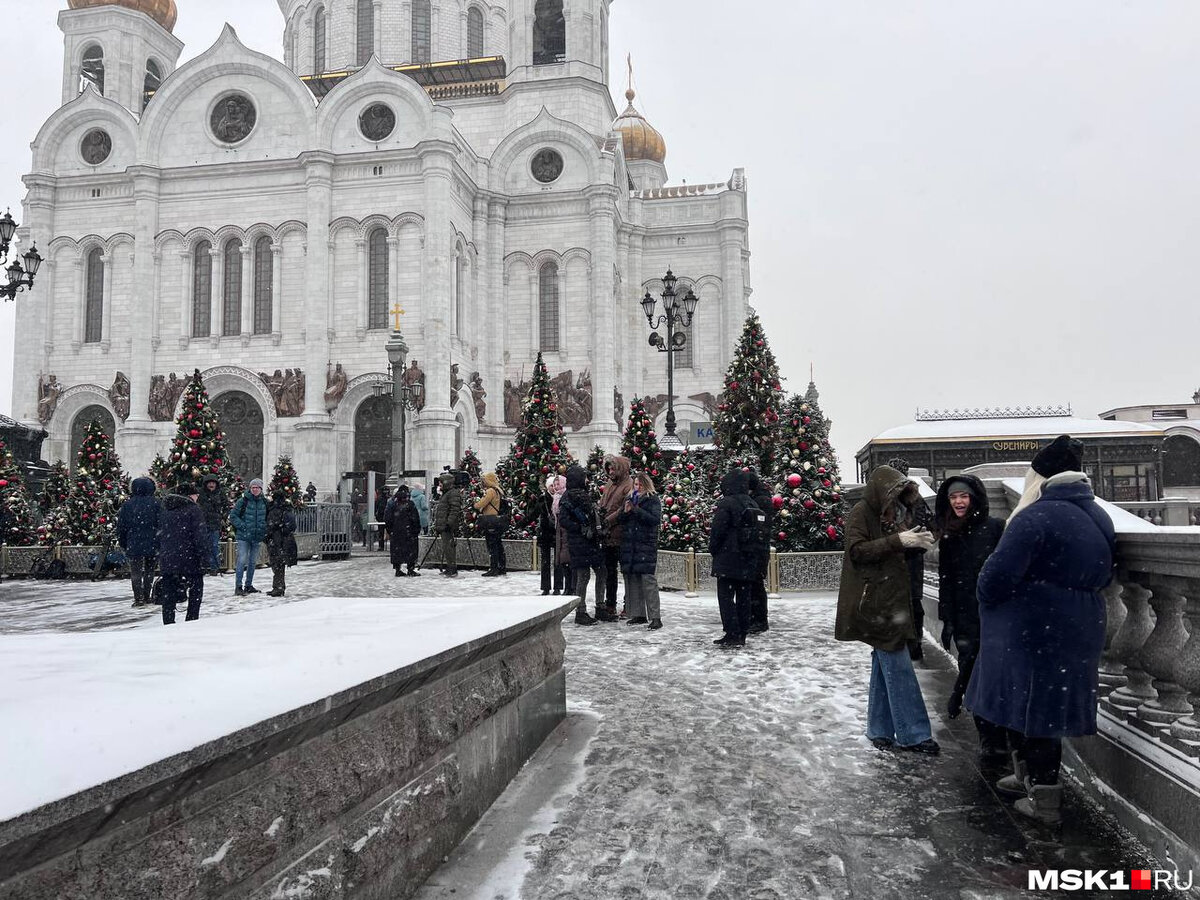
(548, 307)
(319, 40)
(152, 81)
(231, 311)
(202, 289)
(377, 279)
(91, 69)
(264, 263)
(549, 33)
(422, 31)
(475, 32)
(93, 322)
(460, 278)
(366, 30)
(683, 359)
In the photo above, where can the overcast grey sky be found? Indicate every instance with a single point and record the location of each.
(952, 203)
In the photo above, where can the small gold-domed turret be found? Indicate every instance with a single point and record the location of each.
(641, 139)
(161, 11)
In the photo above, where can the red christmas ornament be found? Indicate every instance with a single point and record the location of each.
(820, 470)
(777, 502)
(806, 420)
(835, 497)
(793, 480)
(733, 385)
(691, 467)
(782, 535)
(827, 483)
(832, 532)
(637, 449)
(199, 406)
(804, 445)
(91, 456)
(670, 501)
(3, 482)
(809, 503)
(194, 433)
(674, 520)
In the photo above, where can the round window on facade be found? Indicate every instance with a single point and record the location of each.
(377, 122)
(546, 166)
(95, 146)
(233, 118)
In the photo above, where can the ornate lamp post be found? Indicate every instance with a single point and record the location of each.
(19, 277)
(676, 313)
(404, 396)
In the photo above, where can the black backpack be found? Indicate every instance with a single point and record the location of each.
(505, 511)
(752, 531)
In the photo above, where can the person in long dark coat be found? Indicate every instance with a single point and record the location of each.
(137, 533)
(281, 542)
(183, 552)
(641, 517)
(381, 500)
(564, 579)
(404, 525)
(735, 567)
(547, 529)
(215, 507)
(577, 513)
(1042, 623)
(966, 538)
(760, 493)
(875, 607)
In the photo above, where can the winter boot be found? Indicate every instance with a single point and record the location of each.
(1014, 785)
(1043, 802)
(604, 614)
(954, 704)
(654, 625)
(637, 620)
(413, 573)
(581, 616)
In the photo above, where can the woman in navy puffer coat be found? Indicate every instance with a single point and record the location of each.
(641, 517)
(137, 533)
(1042, 622)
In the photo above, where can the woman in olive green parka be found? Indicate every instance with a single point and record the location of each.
(875, 607)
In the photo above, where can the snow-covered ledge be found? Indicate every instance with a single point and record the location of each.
(319, 749)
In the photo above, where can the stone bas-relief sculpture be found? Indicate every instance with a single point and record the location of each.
(335, 386)
(456, 385)
(164, 396)
(574, 398)
(118, 396)
(477, 395)
(618, 407)
(233, 118)
(287, 390)
(95, 147)
(414, 378)
(513, 394)
(49, 390)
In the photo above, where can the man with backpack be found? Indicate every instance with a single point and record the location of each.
(736, 542)
(492, 507)
(249, 520)
(760, 493)
(447, 517)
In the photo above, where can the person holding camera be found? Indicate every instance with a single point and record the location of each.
(577, 513)
(447, 518)
(493, 524)
(875, 607)
(641, 518)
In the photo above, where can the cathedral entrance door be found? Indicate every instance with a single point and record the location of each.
(241, 419)
(85, 417)
(373, 435)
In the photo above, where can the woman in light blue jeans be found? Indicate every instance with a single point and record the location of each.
(249, 520)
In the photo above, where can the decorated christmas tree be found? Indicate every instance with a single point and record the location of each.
(17, 527)
(471, 464)
(747, 421)
(597, 477)
(285, 483)
(540, 449)
(640, 443)
(688, 504)
(810, 510)
(199, 445)
(89, 515)
(56, 488)
(159, 473)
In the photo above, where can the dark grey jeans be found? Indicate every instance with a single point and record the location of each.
(141, 573)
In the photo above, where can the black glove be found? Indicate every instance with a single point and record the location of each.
(947, 636)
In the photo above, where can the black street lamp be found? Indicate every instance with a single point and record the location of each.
(19, 277)
(676, 313)
(404, 396)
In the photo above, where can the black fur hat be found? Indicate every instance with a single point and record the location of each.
(1063, 454)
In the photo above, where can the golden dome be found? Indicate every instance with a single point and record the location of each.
(161, 11)
(641, 139)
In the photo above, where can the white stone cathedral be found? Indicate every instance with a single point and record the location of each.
(260, 220)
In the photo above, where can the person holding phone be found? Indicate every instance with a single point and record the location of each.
(641, 517)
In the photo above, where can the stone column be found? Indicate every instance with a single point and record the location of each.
(637, 276)
(622, 299)
(495, 310)
(106, 306)
(247, 324)
(1127, 647)
(216, 324)
(187, 267)
(137, 436)
(602, 204)
(435, 423)
(276, 293)
(315, 451)
(377, 27)
(33, 341)
(733, 294)
(80, 304)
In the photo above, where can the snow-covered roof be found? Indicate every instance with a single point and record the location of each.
(1123, 520)
(1000, 429)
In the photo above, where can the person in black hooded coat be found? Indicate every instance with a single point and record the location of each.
(734, 568)
(404, 525)
(577, 514)
(760, 493)
(967, 537)
(137, 533)
(183, 552)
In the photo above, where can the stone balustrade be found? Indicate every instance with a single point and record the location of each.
(1171, 512)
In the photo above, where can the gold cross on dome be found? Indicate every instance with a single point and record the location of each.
(397, 312)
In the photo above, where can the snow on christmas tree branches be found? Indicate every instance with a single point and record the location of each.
(747, 420)
(17, 527)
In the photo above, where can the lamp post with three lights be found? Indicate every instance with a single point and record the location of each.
(677, 314)
(405, 397)
(19, 277)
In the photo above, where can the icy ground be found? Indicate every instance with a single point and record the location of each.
(729, 775)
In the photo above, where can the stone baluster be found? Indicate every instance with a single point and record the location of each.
(1112, 672)
(1126, 648)
(1162, 649)
(1186, 673)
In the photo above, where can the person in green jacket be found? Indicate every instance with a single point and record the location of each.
(447, 516)
(249, 520)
